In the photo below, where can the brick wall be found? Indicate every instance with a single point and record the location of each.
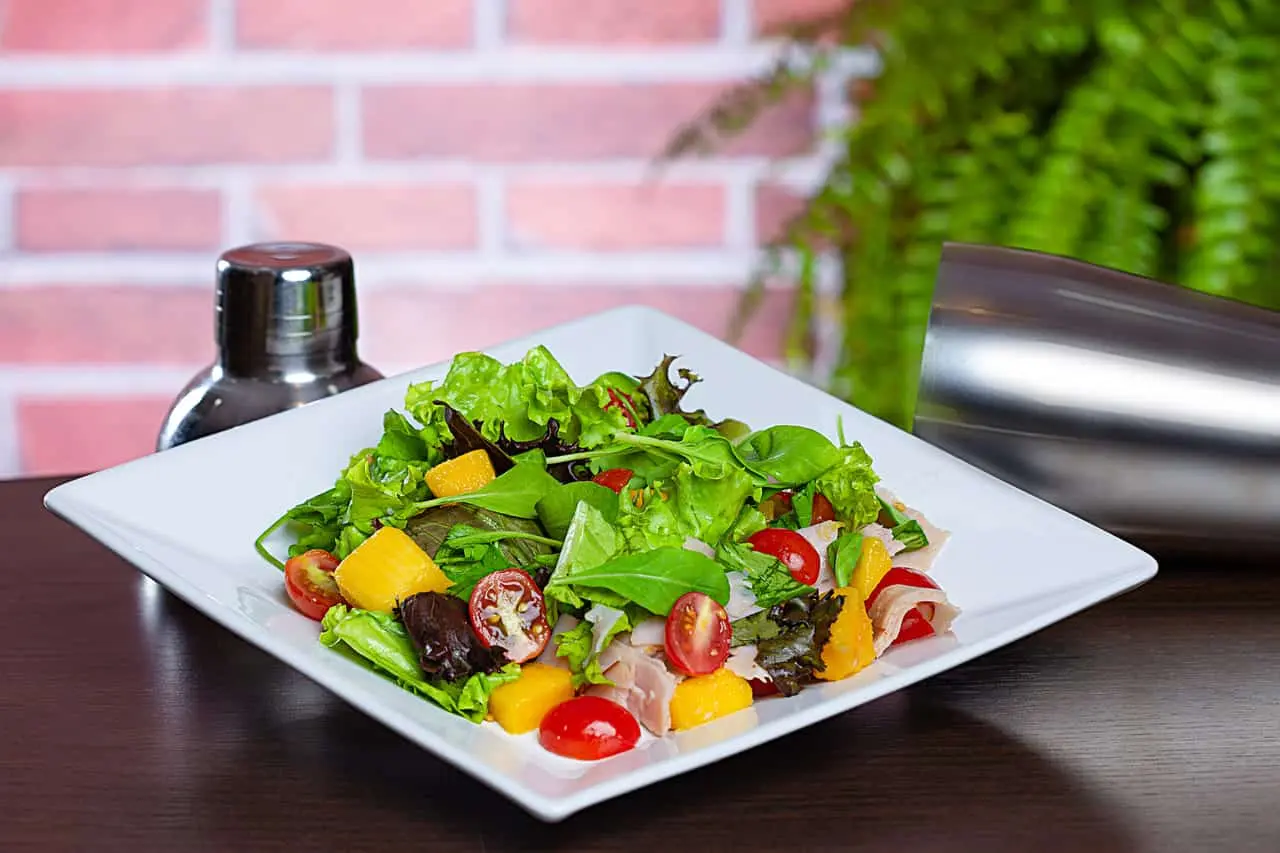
(486, 161)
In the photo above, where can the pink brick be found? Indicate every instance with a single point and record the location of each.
(416, 325)
(165, 126)
(613, 22)
(497, 122)
(353, 25)
(117, 219)
(775, 206)
(106, 324)
(359, 217)
(101, 26)
(771, 16)
(576, 215)
(73, 436)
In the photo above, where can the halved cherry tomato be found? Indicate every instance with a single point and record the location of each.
(588, 728)
(508, 611)
(761, 688)
(822, 509)
(308, 578)
(776, 505)
(915, 625)
(795, 552)
(614, 478)
(698, 634)
(898, 576)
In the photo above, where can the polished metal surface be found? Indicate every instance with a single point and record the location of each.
(286, 327)
(1147, 409)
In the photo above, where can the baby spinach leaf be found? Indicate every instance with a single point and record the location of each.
(843, 555)
(589, 541)
(516, 493)
(890, 515)
(652, 579)
(911, 535)
(556, 508)
(788, 455)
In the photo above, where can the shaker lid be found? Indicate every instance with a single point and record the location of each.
(285, 300)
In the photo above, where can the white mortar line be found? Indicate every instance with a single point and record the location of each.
(238, 223)
(347, 125)
(10, 452)
(491, 214)
(692, 269)
(714, 63)
(222, 26)
(735, 22)
(740, 212)
(92, 380)
(490, 23)
(799, 170)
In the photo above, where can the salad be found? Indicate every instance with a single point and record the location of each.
(591, 561)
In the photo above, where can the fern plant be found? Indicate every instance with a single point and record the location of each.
(1138, 134)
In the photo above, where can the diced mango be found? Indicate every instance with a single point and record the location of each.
(850, 647)
(462, 474)
(520, 705)
(703, 698)
(385, 569)
(874, 563)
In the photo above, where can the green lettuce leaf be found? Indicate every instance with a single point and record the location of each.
(850, 486)
(556, 508)
(381, 642)
(589, 542)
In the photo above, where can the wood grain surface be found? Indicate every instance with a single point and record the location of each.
(129, 721)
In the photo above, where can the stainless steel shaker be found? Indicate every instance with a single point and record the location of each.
(285, 323)
(1148, 409)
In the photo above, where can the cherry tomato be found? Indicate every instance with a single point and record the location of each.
(588, 728)
(822, 509)
(776, 505)
(761, 688)
(698, 634)
(508, 611)
(308, 578)
(898, 576)
(795, 552)
(614, 478)
(914, 627)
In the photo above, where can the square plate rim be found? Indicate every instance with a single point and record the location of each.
(63, 500)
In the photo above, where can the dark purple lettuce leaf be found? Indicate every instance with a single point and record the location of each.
(467, 437)
(440, 629)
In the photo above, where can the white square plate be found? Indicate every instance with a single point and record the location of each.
(187, 518)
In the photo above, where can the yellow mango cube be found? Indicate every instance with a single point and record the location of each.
(873, 564)
(704, 698)
(850, 646)
(520, 705)
(385, 569)
(461, 475)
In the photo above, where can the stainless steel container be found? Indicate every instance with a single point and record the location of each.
(286, 330)
(1147, 409)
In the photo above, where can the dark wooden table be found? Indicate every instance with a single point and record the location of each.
(130, 721)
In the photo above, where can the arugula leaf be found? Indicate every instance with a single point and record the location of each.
(750, 520)
(843, 555)
(652, 579)
(515, 493)
(383, 644)
(850, 486)
(556, 508)
(911, 535)
(788, 455)
(671, 427)
(769, 580)
(463, 536)
(889, 514)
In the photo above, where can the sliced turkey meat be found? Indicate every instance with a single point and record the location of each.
(742, 601)
(820, 536)
(885, 535)
(641, 683)
(742, 662)
(650, 632)
(564, 624)
(893, 604)
(922, 558)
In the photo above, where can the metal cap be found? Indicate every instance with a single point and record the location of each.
(283, 306)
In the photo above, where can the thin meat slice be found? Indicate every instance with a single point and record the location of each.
(742, 662)
(920, 559)
(820, 536)
(875, 530)
(893, 604)
(642, 684)
(742, 601)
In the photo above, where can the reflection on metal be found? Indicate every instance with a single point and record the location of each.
(1148, 409)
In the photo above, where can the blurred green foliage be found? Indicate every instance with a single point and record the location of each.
(1139, 134)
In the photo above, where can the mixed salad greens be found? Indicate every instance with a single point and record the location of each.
(586, 560)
